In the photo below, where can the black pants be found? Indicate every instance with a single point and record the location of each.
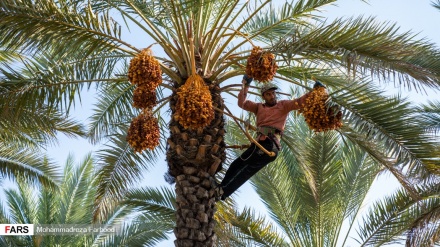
(245, 166)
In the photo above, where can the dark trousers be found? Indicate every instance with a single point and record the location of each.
(245, 166)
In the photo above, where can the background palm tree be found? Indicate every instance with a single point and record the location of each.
(25, 130)
(76, 45)
(72, 205)
(334, 210)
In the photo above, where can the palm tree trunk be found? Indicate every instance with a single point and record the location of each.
(194, 156)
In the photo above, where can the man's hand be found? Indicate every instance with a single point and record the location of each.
(247, 80)
(318, 84)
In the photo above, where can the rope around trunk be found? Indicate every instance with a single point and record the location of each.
(245, 131)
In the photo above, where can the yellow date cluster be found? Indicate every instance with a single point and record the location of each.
(145, 72)
(261, 65)
(143, 132)
(194, 104)
(317, 115)
(143, 98)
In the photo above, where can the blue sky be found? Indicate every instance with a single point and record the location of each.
(416, 15)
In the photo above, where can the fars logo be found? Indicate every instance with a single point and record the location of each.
(16, 229)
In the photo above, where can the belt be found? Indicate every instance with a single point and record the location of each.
(273, 133)
(266, 130)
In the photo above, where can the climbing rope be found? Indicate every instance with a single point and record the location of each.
(246, 130)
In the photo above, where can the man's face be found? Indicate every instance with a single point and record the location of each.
(270, 97)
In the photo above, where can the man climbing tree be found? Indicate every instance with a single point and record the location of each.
(271, 119)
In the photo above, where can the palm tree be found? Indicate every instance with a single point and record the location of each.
(74, 45)
(72, 204)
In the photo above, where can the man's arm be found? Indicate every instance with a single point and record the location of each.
(242, 102)
(299, 103)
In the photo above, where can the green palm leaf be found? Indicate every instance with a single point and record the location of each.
(436, 4)
(154, 209)
(137, 233)
(381, 50)
(52, 79)
(119, 167)
(255, 229)
(25, 164)
(396, 214)
(71, 203)
(113, 111)
(76, 191)
(73, 25)
(396, 137)
(159, 203)
(431, 114)
(35, 128)
(8, 55)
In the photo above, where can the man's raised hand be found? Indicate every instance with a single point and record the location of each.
(247, 80)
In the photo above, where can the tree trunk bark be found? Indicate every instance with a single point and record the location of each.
(194, 157)
(195, 209)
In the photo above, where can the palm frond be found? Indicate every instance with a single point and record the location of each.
(49, 23)
(72, 203)
(398, 133)
(280, 196)
(48, 206)
(152, 17)
(339, 186)
(34, 127)
(75, 204)
(430, 112)
(247, 229)
(112, 111)
(276, 23)
(8, 56)
(25, 164)
(364, 45)
(397, 215)
(119, 167)
(153, 213)
(158, 203)
(436, 4)
(139, 232)
(22, 203)
(425, 227)
(54, 80)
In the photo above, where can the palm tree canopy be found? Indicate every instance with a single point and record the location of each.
(87, 38)
(57, 49)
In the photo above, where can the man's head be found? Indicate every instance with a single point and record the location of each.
(268, 92)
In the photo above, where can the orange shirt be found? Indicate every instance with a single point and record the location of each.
(274, 116)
